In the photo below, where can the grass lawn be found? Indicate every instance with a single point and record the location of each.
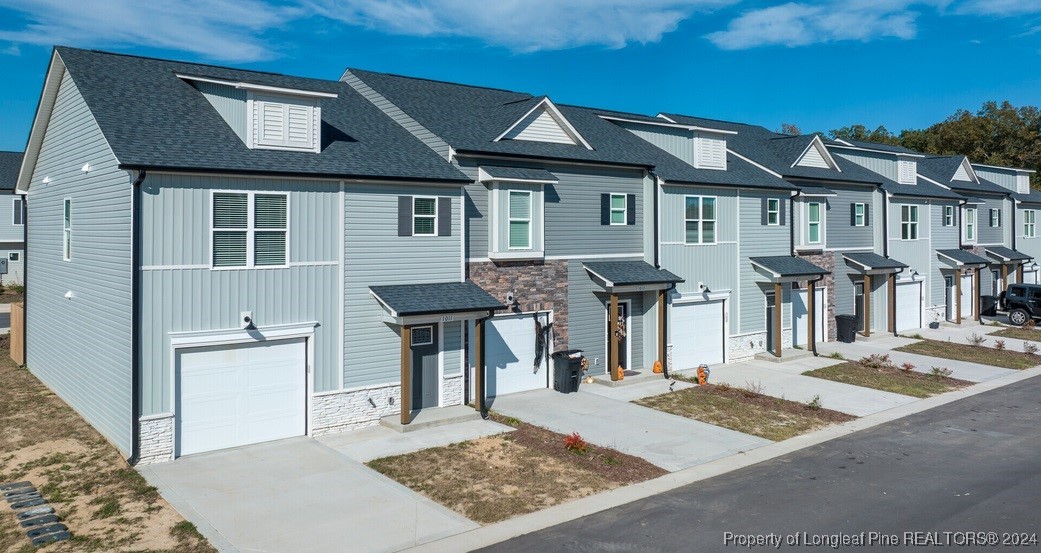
(106, 504)
(498, 477)
(974, 354)
(1018, 333)
(889, 379)
(745, 411)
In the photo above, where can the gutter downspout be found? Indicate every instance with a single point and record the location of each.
(885, 223)
(135, 317)
(961, 238)
(657, 207)
(813, 345)
(791, 222)
(25, 277)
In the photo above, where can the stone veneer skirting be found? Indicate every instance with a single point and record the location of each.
(747, 346)
(156, 435)
(826, 261)
(536, 285)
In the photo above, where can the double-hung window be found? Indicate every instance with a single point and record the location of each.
(1029, 220)
(249, 229)
(618, 209)
(773, 211)
(813, 223)
(995, 218)
(948, 215)
(424, 216)
(859, 215)
(17, 218)
(66, 248)
(520, 220)
(909, 222)
(700, 220)
(970, 224)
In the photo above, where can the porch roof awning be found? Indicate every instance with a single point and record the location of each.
(972, 200)
(516, 174)
(960, 258)
(1006, 255)
(785, 267)
(456, 300)
(870, 262)
(815, 191)
(630, 276)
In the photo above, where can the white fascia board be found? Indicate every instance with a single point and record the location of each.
(847, 146)
(554, 112)
(1016, 169)
(937, 183)
(668, 124)
(969, 170)
(260, 87)
(48, 96)
(607, 283)
(753, 163)
(485, 177)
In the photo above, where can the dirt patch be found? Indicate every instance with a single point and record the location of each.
(1018, 333)
(745, 411)
(498, 477)
(879, 373)
(105, 503)
(981, 354)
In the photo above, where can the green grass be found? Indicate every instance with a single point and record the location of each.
(888, 380)
(973, 354)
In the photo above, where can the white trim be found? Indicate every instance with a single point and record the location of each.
(862, 215)
(510, 219)
(671, 124)
(250, 229)
(777, 212)
(701, 220)
(66, 229)
(259, 87)
(823, 151)
(462, 239)
(341, 285)
(557, 116)
(848, 146)
(484, 177)
(518, 254)
(628, 332)
(435, 216)
(440, 364)
(307, 264)
(821, 223)
(1016, 169)
(611, 210)
(749, 161)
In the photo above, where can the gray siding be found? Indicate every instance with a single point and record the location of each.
(453, 347)
(179, 291)
(756, 239)
(587, 320)
(841, 234)
(943, 238)
(375, 254)
(81, 348)
(1029, 246)
(1001, 178)
(9, 232)
(678, 142)
(882, 164)
(229, 102)
(989, 234)
(919, 255)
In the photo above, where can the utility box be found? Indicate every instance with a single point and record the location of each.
(567, 370)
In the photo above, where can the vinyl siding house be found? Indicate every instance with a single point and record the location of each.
(293, 203)
(12, 220)
(1022, 205)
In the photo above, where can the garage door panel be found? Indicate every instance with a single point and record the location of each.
(510, 356)
(908, 306)
(697, 332)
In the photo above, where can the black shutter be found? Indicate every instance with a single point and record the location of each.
(867, 215)
(605, 209)
(764, 217)
(630, 209)
(444, 216)
(781, 212)
(404, 215)
(853, 215)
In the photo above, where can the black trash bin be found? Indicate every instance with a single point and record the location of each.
(989, 305)
(847, 328)
(567, 370)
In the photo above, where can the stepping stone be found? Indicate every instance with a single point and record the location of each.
(39, 521)
(51, 538)
(29, 503)
(13, 485)
(35, 512)
(49, 529)
(19, 491)
(23, 497)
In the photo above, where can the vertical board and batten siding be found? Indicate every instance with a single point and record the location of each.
(759, 240)
(987, 234)
(376, 255)
(587, 319)
(452, 334)
(230, 104)
(880, 163)
(845, 276)
(81, 348)
(180, 292)
(1029, 246)
(9, 232)
(918, 254)
(678, 142)
(425, 136)
(943, 238)
(540, 126)
(841, 234)
(1001, 178)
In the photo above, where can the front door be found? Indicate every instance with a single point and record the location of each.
(858, 305)
(425, 367)
(948, 286)
(624, 323)
(770, 322)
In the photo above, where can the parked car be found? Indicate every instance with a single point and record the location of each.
(1023, 302)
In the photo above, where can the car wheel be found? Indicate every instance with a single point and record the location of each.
(1018, 317)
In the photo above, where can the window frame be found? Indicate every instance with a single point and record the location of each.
(701, 220)
(1029, 223)
(970, 213)
(859, 214)
(995, 218)
(624, 210)
(66, 227)
(14, 256)
(250, 229)
(511, 219)
(810, 224)
(433, 217)
(948, 215)
(773, 213)
(908, 224)
(18, 212)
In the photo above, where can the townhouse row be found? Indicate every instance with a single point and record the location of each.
(223, 257)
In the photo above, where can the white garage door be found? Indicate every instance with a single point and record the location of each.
(1029, 277)
(908, 306)
(697, 331)
(510, 356)
(966, 296)
(230, 396)
(801, 312)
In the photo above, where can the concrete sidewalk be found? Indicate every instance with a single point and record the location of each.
(669, 441)
(373, 442)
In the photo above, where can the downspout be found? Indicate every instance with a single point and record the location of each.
(25, 277)
(885, 224)
(135, 317)
(961, 238)
(813, 344)
(654, 244)
(791, 222)
(665, 331)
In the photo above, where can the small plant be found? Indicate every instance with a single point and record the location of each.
(753, 388)
(836, 355)
(185, 530)
(1029, 347)
(610, 460)
(907, 367)
(575, 444)
(815, 403)
(975, 340)
(724, 386)
(942, 373)
(1031, 323)
(916, 336)
(877, 361)
(999, 345)
(109, 507)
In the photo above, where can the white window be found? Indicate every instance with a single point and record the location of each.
(1029, 220)
(995, 218)
(813, 223)
(424, 216)
(520, 220)
(422, 335)
(970, 224)
(700, 220)
(13, 256)
(249, 229)
(948, 215)
(17, 214)
(906, 172)
(909, 222)
(773, 211)
(618, 209)
(286, 123)
(67, 231)
(859, 215)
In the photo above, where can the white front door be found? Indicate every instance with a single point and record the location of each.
(698, 331)
(801, 310)
(966, 296)
(235, 395)
(510, 356)
(908, 306)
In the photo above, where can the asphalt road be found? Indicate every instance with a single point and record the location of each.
(973, 465)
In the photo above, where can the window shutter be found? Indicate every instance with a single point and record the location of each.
(867, 215)
(404, 215)
(764, 210)
(782, 212)
(298, 125)
(853, 214)
(272, 123)
(630, 209)
(17, 215)
(605, 209)
(444, 216)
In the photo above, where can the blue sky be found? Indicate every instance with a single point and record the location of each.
(817, 64)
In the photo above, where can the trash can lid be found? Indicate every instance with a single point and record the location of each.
(567, 353)
(846, 317)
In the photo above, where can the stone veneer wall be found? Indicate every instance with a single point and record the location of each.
(156, 434)
(349, 410)
(826, 261)
(747, 346)
(536, 286)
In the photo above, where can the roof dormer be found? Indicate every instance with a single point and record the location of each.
(1022, 183)
(544, 123)
(710, 150)
(817, 155)
(266, 117)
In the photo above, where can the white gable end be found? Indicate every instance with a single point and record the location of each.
(961, 174)
(540, 126)
(816, 155)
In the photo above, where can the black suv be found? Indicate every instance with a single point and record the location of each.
(1023, 302)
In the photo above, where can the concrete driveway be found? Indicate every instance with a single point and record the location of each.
(298, 495)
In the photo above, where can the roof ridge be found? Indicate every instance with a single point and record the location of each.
(168, 60)
(440, 81)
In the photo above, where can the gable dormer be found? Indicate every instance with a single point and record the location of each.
(544, 123)
(817, 155)
(906, 171)
(964, 172)
(266, 117)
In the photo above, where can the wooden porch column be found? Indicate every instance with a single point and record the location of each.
(867, 306)
(1004, 277)
(957, 295)
(612, 331)
(976, 294)
(811, 326)
(406, 374)
(663, 348)
(892, 302)
(1019, 273)
(778, 305)
(479, 368)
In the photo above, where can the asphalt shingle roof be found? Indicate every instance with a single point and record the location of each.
(963, 256)
(787, 266)
(1006, 253)
(1033, 197)
(10, 164)
(430, 298)
(872, 261)
(524, 173)
(626, 273)
(153, 119)
(942, 169)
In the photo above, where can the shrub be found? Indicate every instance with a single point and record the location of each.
(975, 340)
(1030, 347)
(907, 367)
(753, 388)
(575, 444)
(815, 403)
(999, 345)
(836, 355)
(942, 373)
(877, 361)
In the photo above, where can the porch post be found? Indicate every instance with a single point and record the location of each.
(957, 295)
(778, 305)
(406, 374)
(811, 326)
(612, 330)
(1019, 273)
(479, 362)
(662, 338)
(976, 294)
(1004, 277)
(892, 303)
(867, 306)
